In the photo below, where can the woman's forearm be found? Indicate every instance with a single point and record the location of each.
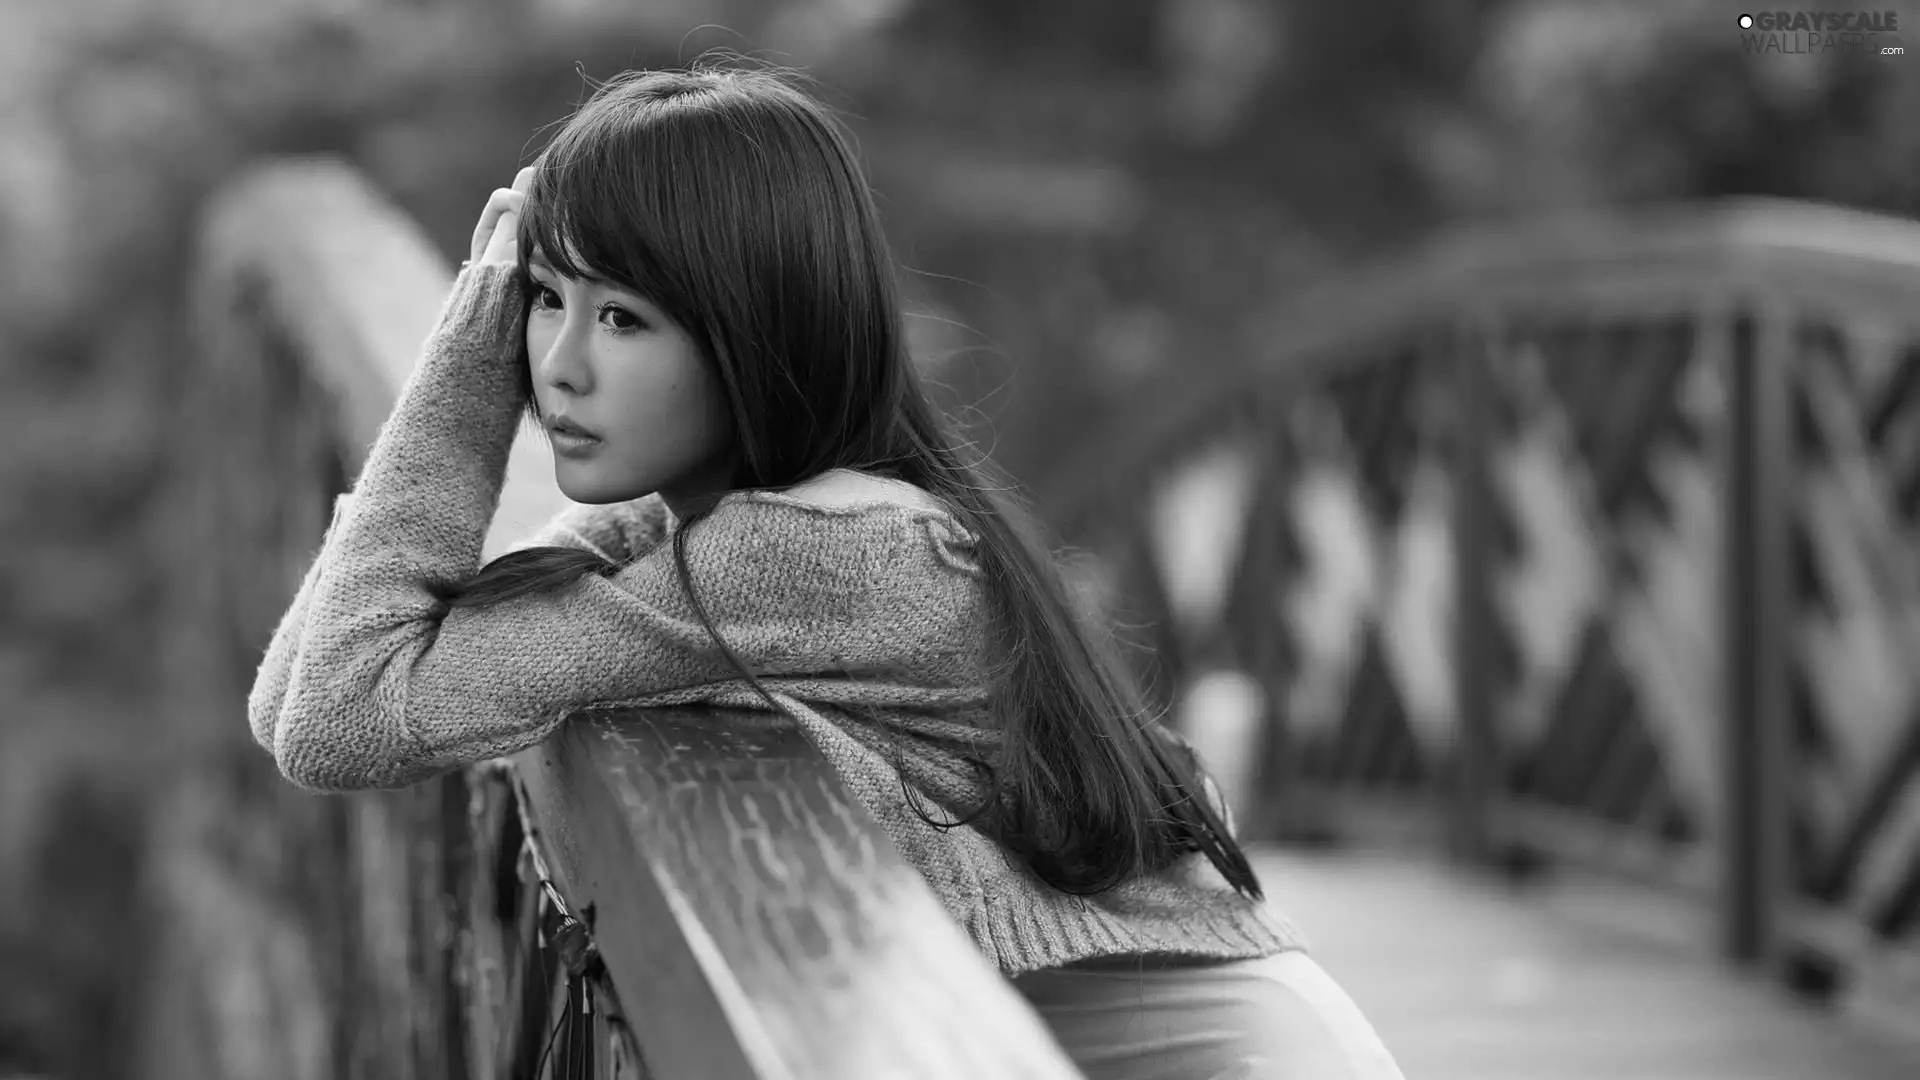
(419, 510)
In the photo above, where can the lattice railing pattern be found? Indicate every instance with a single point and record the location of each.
(1615, 561)
(1605, 469)
(1284, 583)
(1856, 663)
(1366, 603)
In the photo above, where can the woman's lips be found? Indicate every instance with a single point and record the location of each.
(570, 440)
(562, 423)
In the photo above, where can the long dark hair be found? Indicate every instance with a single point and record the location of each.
(733, 200)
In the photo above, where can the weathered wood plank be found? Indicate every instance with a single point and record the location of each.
(1758, 619)
(755, 920)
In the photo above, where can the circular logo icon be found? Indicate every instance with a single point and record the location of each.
(1746, 22)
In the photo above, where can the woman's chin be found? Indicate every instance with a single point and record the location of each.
(579, 487)
(567, 478)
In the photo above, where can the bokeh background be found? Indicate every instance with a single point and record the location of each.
(1085, 195)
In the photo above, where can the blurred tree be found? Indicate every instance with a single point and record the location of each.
(1101, 34)
(1613, 102)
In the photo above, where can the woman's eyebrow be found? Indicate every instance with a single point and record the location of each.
(538, 261)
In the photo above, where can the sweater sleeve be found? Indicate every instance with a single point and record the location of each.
(388, 691)
(270, 680)
(618, 532)
(386, 686)
(465, 374)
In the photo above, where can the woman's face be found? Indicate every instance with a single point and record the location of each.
(612, 363)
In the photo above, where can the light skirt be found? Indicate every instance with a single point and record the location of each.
(1278, 1018)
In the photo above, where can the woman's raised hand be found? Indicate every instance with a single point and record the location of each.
(496, 237)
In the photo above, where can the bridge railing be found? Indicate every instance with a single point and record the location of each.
(1595, 539)
(671, 894)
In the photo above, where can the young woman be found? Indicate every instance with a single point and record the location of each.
(690, 291)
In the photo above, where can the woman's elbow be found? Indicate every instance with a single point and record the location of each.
(324, 758)
(263, 718)
(319, 765)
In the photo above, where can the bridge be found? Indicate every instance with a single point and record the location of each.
(1547, 602)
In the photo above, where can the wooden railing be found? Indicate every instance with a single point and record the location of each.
(1595, 540)
(671, 895)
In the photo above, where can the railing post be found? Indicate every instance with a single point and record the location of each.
(1475, 767)
(1757, 613)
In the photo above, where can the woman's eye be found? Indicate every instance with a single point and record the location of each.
(619, 319)
(614, 317)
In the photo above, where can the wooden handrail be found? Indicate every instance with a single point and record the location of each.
(1669, 254)
(757, 921)
(754, 921)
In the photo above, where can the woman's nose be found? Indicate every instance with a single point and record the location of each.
(564, 366)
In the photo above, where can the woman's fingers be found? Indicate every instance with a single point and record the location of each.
(504, 245)
(498, 205)
(495, 235)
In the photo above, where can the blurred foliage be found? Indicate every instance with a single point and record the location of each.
(1083, 193)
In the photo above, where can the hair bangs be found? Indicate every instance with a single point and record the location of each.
(592, 212)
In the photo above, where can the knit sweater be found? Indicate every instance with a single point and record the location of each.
(865, 621)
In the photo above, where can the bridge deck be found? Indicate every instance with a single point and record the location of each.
(1468, 978)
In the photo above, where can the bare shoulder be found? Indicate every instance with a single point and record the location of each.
(843, 488)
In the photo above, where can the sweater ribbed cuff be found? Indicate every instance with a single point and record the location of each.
(1019, 936)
